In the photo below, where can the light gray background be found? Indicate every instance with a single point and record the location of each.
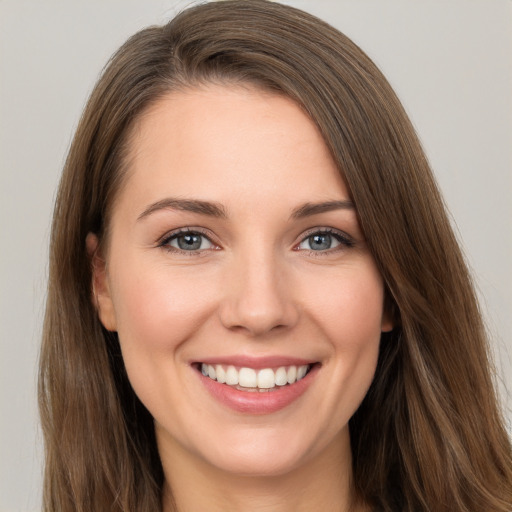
(449, 60)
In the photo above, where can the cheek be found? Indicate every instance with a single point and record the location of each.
(356, 329)
(348, 306)
(157, 310)
(349, 312)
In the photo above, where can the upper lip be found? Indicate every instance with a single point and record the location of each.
(256, 362)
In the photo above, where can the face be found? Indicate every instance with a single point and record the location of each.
(248, 308)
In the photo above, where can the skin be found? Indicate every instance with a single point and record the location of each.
(256, 287)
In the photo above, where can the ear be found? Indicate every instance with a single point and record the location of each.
(100, 288)
(389, 315)
(387, 324)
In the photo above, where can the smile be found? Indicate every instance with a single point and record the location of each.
(250, 379)
(263, 387)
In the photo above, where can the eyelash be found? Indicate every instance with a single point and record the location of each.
(345, 241)
(168, 238)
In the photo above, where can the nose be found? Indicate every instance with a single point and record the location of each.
(258, 296)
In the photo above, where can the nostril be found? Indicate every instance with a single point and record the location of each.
(256, 299)
(255, 321)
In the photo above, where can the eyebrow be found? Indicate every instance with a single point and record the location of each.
(187, 205)
(309, 209)
(217, 210)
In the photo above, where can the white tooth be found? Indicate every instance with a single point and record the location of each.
(221, 374)
(231, 376)
(291, 374)
(247, 378)
(266, 378)
(302, 371)
(204, 369)
(281, 377)
(211, 372)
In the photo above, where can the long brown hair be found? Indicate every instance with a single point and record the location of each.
(429, 435)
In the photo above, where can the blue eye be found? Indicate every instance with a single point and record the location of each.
(188, 241)
(324, 241)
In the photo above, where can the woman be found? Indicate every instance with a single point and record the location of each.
(256, 300)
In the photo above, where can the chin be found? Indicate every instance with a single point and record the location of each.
(270, 452)
(257, 463)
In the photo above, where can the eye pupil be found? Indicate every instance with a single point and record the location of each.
(189, 242)
(320, 242)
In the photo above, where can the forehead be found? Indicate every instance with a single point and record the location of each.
(230, 143)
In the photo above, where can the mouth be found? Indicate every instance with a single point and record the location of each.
(256, 385)
(259, 380)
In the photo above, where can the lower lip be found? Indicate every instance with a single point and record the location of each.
(256, 402)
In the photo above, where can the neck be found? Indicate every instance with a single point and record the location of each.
(323, 483)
